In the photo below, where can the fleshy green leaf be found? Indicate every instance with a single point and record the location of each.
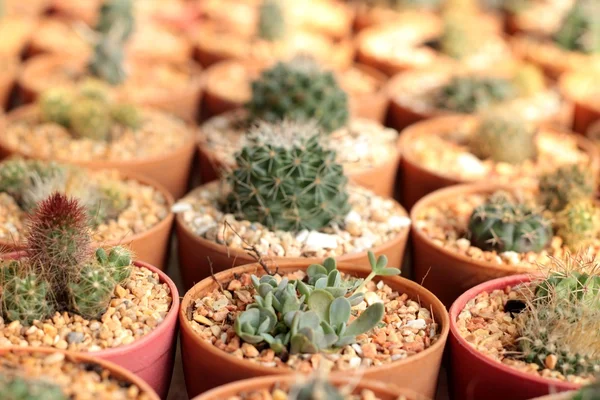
(372, 260)
(319, 301)
(382, 262)
(315, 270)
(329, 264)
(339, 312)
(334, 278)
(388, 272)
(366, 321)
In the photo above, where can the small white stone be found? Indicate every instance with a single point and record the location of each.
(363, 243)
(354, 362)
(302, 235)
(471, 164)
(181, 207)
(352, 216)
(318, 240)
(417, 323)
(511, 257)
(398, 222)
(372, 298)
(357, 349)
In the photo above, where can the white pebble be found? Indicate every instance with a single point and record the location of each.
(357, 349)
(398, 222)
(471, 164)
(417, 323)
(318, 240)
(511, 257)
(372, 298)
(352, 216)
(302, 235)
(181, 207)
(354, 362)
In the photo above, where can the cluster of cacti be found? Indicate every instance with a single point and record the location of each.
(299, 90)
(115, 25)
(468, 94)
(504, 225)
(579, 223)
(29, 182)
(529, 80)
(60, 271)
(88, 111)
(18, 388)
(271, 20)
(285, 179)
(311, 315)
(580, 30)
(565, 185)
(503, 137)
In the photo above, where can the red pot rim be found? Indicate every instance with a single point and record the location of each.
(459, 305)
(344, 267)
(169, 320)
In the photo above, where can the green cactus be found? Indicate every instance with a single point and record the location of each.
(317, 388)
(565, 185)
(529, 80)
(469, 94)
(107, 61)
(117, 263)
(299, 91)
(286, 180)
(580, 30)
(271, 20)
(92, 292)
(55, 105)
(26, 299)
(459, 39)
(311, 316)
(94, 89)
(127, 115)
(579, 224)
(589, 392)
(116, 14)
(570, 287)
(90, 119)
(18, 388)
(504, 138)
(501, 225)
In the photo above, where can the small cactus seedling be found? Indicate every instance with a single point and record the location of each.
(579, 223)
(502, 225)
(504, 138)
(469, 94)
(580, 29)
(271, 20)
(285, 179)
(311, 315)
(55, 105)
(529, 80)
(565, 185)
(18, 388)
(299, 90)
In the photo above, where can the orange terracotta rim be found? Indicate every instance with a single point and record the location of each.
(409, 287)
(459, 304)
(380, 388)
(119, 373)
(31, 109)
(161, 225)
(432, 127)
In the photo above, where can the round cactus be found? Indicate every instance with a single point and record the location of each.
(90, 119)
(271, 20)
(529, 80)
(17, 388)
(580, 30)
(469, 94)
(25, 299)
(579, 223)
(565, 185)
(504, 138)
(300, 91)
(501, 225)
(55, 105)
(92, 292)
(127, 115)
(458, 40)
(287, 180)
(94, 89)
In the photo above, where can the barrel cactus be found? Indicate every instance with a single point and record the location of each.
(90, 119)
(55, 105)
(271, 20)
(504, 138)
(18, 388)
(299, 90)
(579, 223)
(580, 30)
(468, 94)
(285, 179)
(503, 225)
(529, 80)
(564, 185)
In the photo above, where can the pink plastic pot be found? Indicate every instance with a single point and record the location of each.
(151, 357)
(474, 376)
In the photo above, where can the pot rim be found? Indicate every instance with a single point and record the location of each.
(347, 268)
(421, 128)
(459, 305)
(82, 357)
(162, 224)
(169, 320)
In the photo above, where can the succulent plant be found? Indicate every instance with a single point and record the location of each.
(55, 105)
(60, 271)
(459, 40)
(90, 119)
(588, 392)
(502, 225)
(315, 389)
(18, 388)
(579, 223)
(107, 61)
(127, 115)
(570, 287)
(468, 94)
(299, 90)
(94, 89)
(285, 179)
(580, 30)
(504, 138)
(564, 185)
(116, 14)
(310, 316)
(529, 80)
(271, 20)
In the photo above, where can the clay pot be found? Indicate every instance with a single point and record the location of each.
(7, 81)
(581, 88)
(115, 370)
(418, 181)
(150, 245)
(473, 375)
(86, 11)
(151, 357)
(196, 254)
(228, 88)
(39, 73)
(446, 273)
(206, 367)
(169, 170)
(382, 391)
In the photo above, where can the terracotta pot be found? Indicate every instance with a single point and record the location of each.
(115, 370)
(7, 81)
(382, 391)
(86, 11)
(594, 132)
(381, 179)
(206, 367)
(581, 88)
(39, 72)
(195, 253)
(152, 356)
(473, 375)
(170, 170)
(150, 245)
(418, 181)
(446, 273)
